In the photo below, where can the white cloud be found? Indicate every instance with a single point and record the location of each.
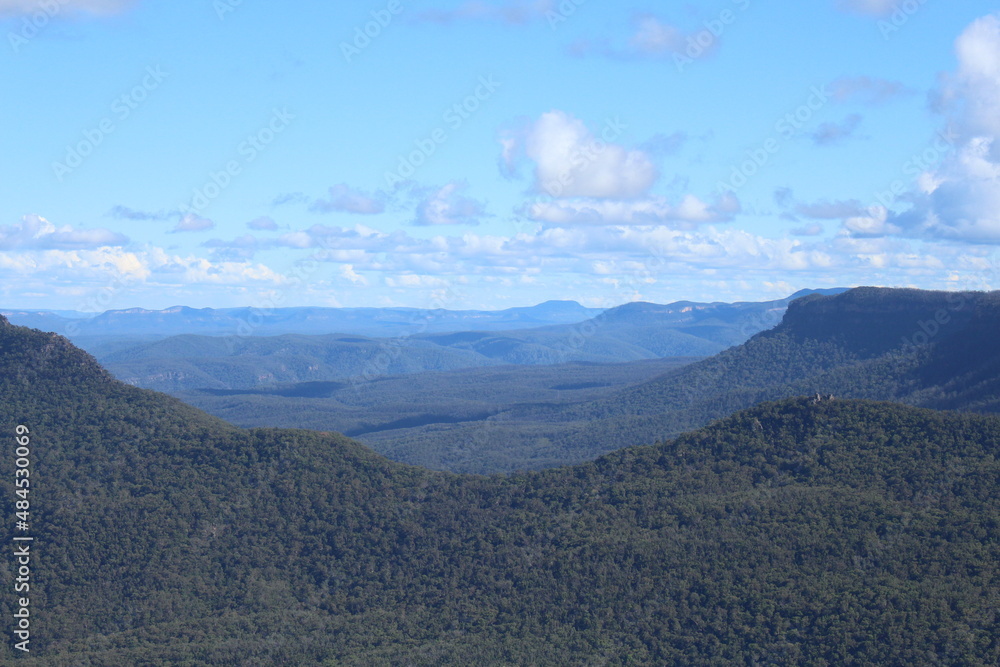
(874, 223)
(511, 13)
(448, 206)
(570, 161)
(348, 200)
(977, 84)
(192, 223)
(112, 272)
(347, 271)
(832, 133)
(655, 37)
(960, 198)
(241, 248)
(413, 281)
(868, 7)
(691, 211)
(100, 7)
(35, 232)
(126, 213)
(263, 223)
(358, 237)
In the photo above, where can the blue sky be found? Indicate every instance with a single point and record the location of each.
(492, 154)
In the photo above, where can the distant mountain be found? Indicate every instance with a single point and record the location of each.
(46, 320)
(243, 322)
(928, 349)
(798, 532)
(631, 332)
(628, 333)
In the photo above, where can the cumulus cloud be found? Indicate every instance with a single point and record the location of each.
(126, 213)
(241, 248)
(345, 199)
(348, 273)
(448, 206)
(357, 238)
(192, 223)
(572, 161)
(874, 223)
(829, 134)
(290, 198)
(959, 198)
(654, 37)
(263, 223)
(99, 7)
(690, 212)
(36, 233)
(94, 276)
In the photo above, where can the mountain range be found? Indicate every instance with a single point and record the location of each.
(803, 531)
(631, 332)
(928, 349)
(271, 321)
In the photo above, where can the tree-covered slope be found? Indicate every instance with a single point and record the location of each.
(837, 532)
(928, 349)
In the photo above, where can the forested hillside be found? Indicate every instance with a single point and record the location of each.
(798, 532)
(929, 349)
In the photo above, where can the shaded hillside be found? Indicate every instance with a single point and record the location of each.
(795, 533)
(180, 363)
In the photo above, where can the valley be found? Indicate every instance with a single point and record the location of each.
(773, 534)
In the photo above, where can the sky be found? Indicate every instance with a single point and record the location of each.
(472, 154)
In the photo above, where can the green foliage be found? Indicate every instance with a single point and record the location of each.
(837, 532)
(866, 343)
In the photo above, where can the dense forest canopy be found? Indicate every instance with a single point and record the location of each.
(801, 531)
(928, 349)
